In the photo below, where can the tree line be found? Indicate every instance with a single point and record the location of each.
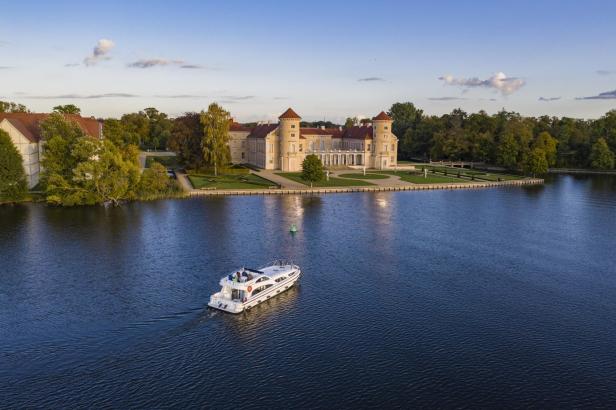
(529, 144)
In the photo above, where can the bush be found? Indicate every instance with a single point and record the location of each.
(13, 186)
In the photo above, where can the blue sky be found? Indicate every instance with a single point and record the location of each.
(326, 59)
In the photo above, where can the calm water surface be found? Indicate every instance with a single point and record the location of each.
(488, 298)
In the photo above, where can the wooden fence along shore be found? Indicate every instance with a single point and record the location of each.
(417, 187)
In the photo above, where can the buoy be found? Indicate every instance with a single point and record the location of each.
(293, 228)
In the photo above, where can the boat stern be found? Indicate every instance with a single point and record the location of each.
(218, 301)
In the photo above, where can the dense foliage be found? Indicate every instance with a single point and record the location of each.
(67, 109)
(81, 170)
(215, 144)
(149, 129)
(312, 169)
(506, 138)
(13, 185)
(7, 106)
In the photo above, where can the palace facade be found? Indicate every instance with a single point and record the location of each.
(284, 146)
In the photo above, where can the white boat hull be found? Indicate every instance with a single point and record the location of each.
(221, 302)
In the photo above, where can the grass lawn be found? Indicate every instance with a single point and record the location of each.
(431, 179)
(249, 181)
(168, 162)
(333, 182)
(417, 178)
(479, 175)
(362, 176)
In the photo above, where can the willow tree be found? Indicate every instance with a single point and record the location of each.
(214, 145)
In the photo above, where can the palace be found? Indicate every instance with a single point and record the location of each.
(283, 146)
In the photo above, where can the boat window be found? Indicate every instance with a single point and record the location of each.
(261, 279)
(292, 273)
(280, 279)
(261, 289)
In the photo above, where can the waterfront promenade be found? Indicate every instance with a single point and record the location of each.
(373, 188)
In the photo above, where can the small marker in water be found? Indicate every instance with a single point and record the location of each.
(293, 228)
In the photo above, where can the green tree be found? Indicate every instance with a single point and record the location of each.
(59, 135)
(185, 140)
(405, 116)
(154, 181)
(312, 169)
(159, 128)
(507, 151)
(7, 106)
(215, 148)
(118, 132)
(103, 174)
(601, 157)
(67, 109)
(13, 185)
(351, 122)
(536, 162)
(549, 145)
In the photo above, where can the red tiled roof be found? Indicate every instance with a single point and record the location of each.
(314, 131)
(28, 124)
(290, 114)
(235, 126)
(358, 132)
(335, 132)
(261, 131)
(382, 117)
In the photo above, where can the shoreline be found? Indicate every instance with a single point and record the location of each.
(376, 188)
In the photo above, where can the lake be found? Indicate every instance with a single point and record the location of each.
(472, 298)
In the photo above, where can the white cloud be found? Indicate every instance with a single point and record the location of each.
(499, 81)
(100, 52)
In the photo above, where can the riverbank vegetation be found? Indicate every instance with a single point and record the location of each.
(81, 170)
(507, 139)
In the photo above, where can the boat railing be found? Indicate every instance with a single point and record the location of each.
(280, 262)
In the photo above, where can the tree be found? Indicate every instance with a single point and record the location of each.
(601, 157)
(312, 169)
(350, 122)
(154, 181)
(13, 185)
(6, 106)
(185, 140)
(536, 163)
(405, 116)
(549, 145)
(67, 109)
(104, 176)
(159, 128)
(59, 135)
(215, 148)
(507, 151)
(118, 132)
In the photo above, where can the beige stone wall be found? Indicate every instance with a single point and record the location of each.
(383, 140)
(29, 152)
(238, 145)
(289, 131)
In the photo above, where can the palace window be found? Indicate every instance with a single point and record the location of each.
(242, 155)
(292, 135)
(369, 147)
(292, 125)
(385, 127)
(301, 147)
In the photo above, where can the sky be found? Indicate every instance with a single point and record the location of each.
(326, 59)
